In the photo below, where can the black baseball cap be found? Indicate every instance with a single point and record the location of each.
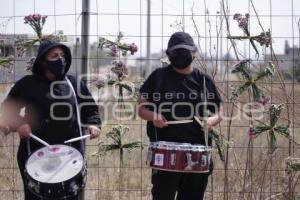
(181, 40)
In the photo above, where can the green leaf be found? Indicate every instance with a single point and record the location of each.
(239, 90)
(116, 136)
(133, 145)
(274, 112)
(242, 68)
(272, 142)
(263, 73)
(257, 93)
(283, 130)
(260, 129)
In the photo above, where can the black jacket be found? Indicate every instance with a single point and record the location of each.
(179, 95)
(49, 108)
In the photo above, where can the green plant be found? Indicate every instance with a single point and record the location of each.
(250, 81)
(36, 22)
(292, 165)
(117, 46)
(117, 142)
(264, 39)
(7, 62)
(273, 129)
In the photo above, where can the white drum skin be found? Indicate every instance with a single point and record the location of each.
(58, 171)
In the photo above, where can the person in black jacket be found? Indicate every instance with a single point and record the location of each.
(43, 104)
(173, 93)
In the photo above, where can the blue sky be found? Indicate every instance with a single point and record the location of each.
(132, 19)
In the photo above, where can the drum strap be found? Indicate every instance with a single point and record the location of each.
(155, 132)
(205, 113)
(28, 146)
(78, 115)
(78, 121)
(159, 81)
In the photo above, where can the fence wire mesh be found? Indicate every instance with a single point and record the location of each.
(249, 170)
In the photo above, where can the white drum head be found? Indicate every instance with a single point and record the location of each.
(54, 164)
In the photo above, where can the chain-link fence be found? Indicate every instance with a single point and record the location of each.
(250, 47)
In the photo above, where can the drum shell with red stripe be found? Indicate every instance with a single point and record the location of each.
(179, 157)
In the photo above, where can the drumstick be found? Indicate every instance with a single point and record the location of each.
(78, 138)
(179, 122)
(222, 157)
(198, 121)
(39, 140)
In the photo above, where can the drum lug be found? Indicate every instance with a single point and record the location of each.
(74, 188)
(190, 162)
(173, 159)
(33, 186)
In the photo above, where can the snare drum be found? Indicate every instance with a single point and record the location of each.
(179, 157)
(56, 172)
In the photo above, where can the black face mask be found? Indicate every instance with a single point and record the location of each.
(181, 58)
(57, 67)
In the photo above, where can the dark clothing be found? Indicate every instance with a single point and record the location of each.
(179, 97)
(189, 186)
(33, 92)
(50, 108)
(43, 49)
(170, 93)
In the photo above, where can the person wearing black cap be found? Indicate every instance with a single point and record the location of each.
(178, 84)
(38, 93)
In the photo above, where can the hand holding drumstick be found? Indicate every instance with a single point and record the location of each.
(216, 136)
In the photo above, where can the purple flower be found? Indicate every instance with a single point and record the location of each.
(242, 20)
(36, 21)
(120, 69)
(133, 48)
(251, 131)
(114, 50)
(240, 65)
(243, 23)
(44, 19)
(262, 101)
(237, 16)
(36, 17)
(264, 39)
(28, 19)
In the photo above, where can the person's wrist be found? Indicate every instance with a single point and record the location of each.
(155, 117)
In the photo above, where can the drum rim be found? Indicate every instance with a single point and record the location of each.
(26, 170)
(180, 171)
(189, 146)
